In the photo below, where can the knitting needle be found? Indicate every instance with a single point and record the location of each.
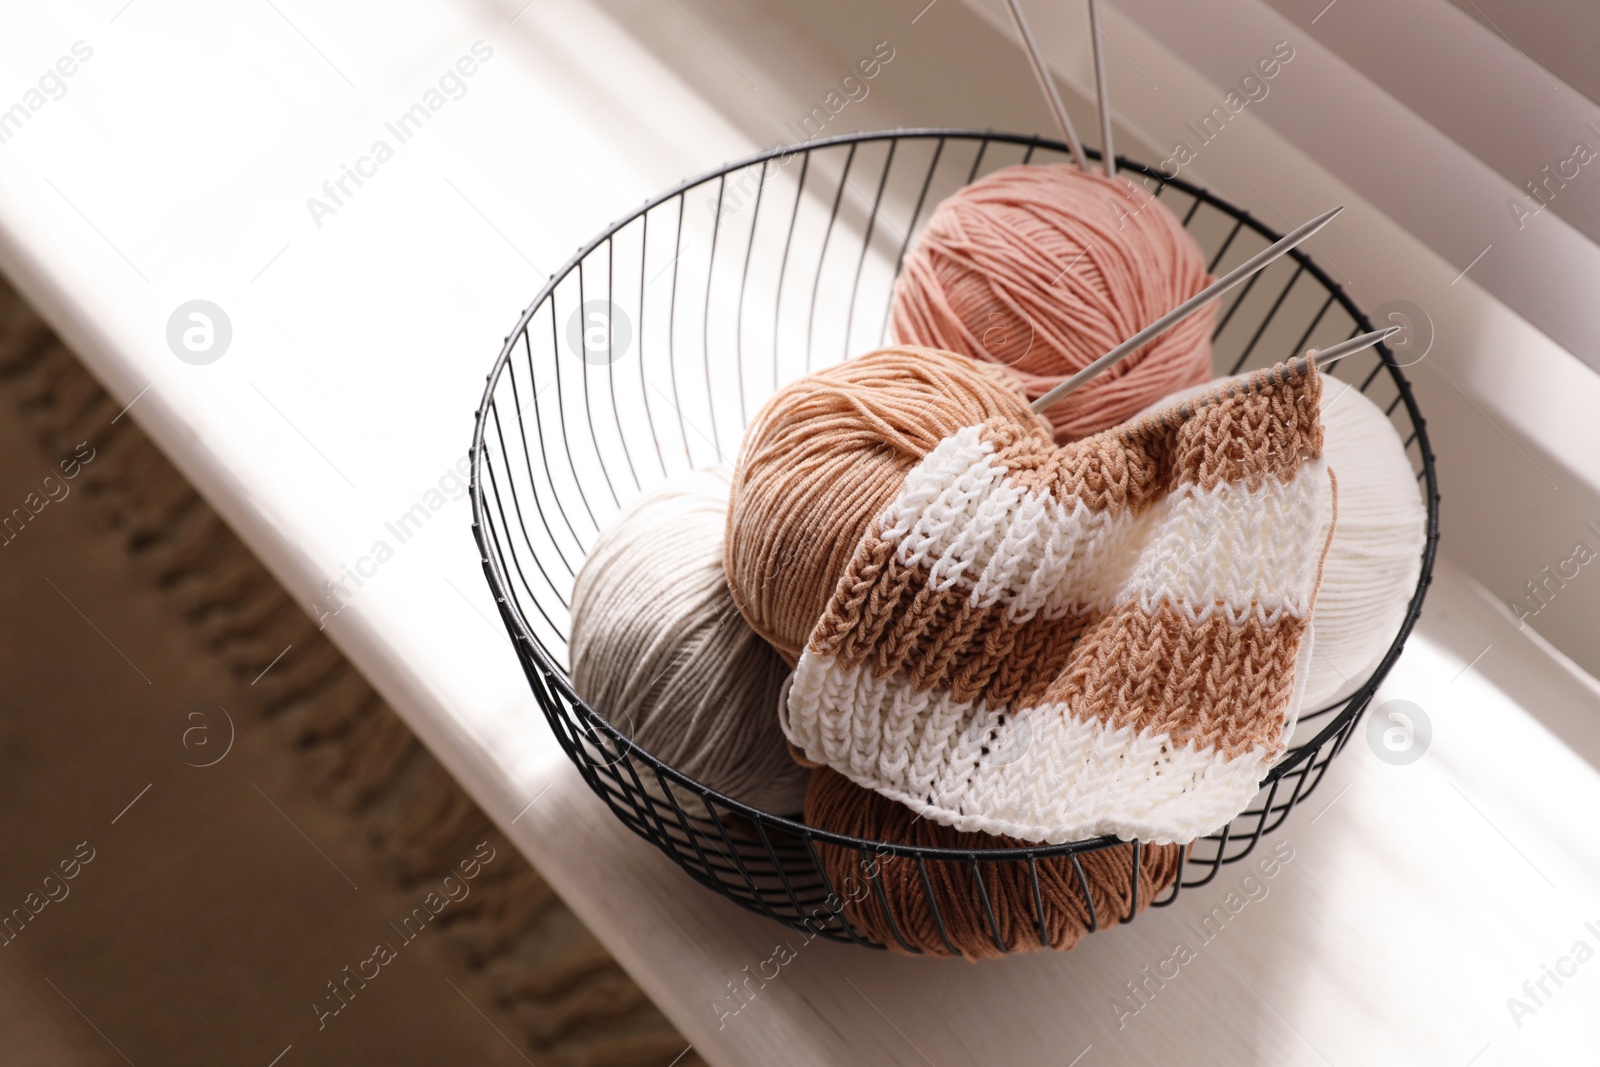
(1047, 84)
(1108, 155)
(1187, 308)
(1327, 357)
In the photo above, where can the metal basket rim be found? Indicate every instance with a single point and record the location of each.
(517, 624)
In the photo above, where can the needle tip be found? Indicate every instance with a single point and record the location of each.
(1333, 353)
(1323, 219)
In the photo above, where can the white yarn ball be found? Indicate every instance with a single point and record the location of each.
(1371, 569)
(660, 649)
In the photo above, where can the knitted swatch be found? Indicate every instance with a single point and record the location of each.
(1374, 556)
(1060, 642)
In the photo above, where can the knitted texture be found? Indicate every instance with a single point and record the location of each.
(1043, 269)
(1375, 555)
(1122, 617)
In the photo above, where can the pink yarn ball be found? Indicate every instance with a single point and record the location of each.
(1044, 269)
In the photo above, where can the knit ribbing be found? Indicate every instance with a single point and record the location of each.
(1129, 612)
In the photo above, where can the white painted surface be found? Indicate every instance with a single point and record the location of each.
(177, 165)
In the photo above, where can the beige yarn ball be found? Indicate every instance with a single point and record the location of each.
(661, 651)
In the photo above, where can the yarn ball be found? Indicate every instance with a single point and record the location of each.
(836, 804)
(824, 457)
(1044, 269)
(1370, 572)
(1372, 567)
(660, 650)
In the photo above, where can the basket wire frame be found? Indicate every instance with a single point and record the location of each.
(735, 282)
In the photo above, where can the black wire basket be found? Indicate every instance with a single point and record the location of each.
(648, 351)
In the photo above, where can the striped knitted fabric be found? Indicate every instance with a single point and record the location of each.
(1060, 642)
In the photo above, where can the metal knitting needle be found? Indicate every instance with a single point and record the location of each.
(1187, 308)
(1047, 85)
(1327, 357)
(1108, 155)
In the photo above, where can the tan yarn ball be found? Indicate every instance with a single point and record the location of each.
(822, 460)
(660, 650)
(836, 804)
(1044, 269)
